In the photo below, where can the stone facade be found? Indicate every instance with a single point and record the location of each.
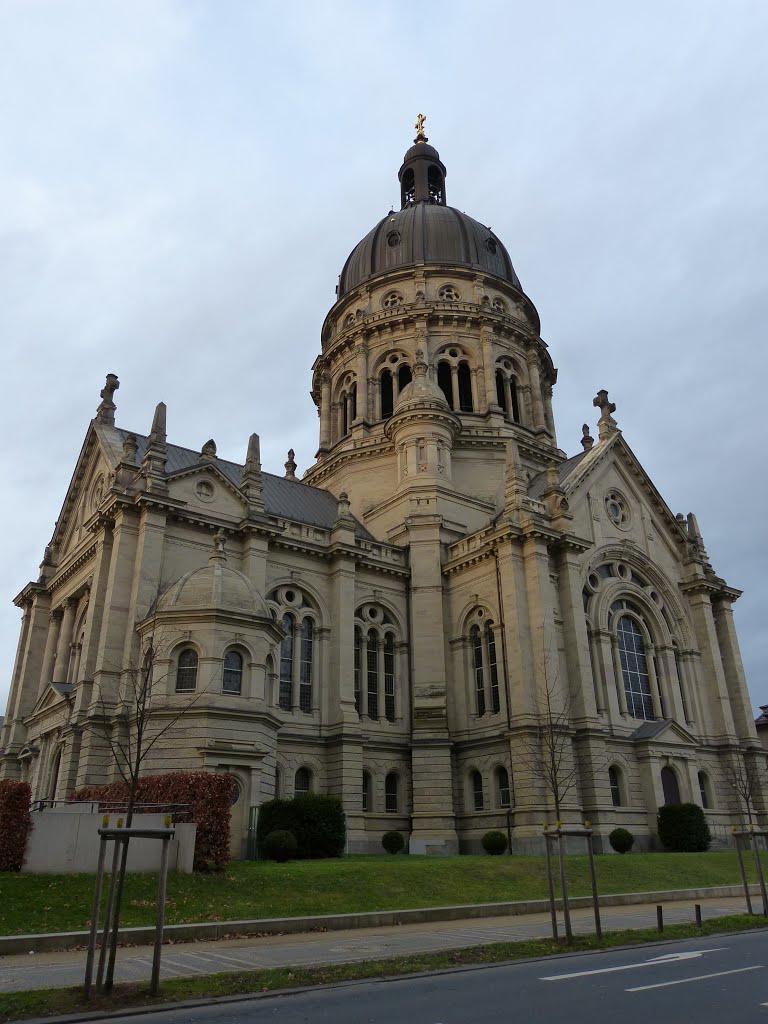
(443, 601)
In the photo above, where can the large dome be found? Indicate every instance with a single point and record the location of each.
(426, 233)
(425, 230)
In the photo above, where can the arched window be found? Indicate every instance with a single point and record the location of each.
(404, 376)
(634, 668)
(286, 663)
(477, 790)
(186, 671)
(435, 185)
(358, 666)
(305, 666)
(54, 780)
(614, 778)
(670, 786)
(465, 387)
(392, 793)
(408, 188)
(444, 381)
(302, 782)
(233, 673)
(367, 805)
(503, 790)
(373, 673)
(501, 398)
(387, 394)
(514, 405)
(476, 644)
(704, 791)
(389, 677)
(493, 670)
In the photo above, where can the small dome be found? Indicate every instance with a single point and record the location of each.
(421, 392)
(214, 587)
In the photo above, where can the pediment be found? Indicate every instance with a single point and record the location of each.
(663, 730)
(54, 694)
(205, 487)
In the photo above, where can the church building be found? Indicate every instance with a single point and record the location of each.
(444, 609)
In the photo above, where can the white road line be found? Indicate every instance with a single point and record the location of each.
(698, 977)
(667, 958)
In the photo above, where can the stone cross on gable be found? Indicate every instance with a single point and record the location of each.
(106, 410)
(607, 425)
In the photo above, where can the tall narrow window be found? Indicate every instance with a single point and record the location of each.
(476, 644)
(186, 672)
(305, 667)
(513, 400)
(373, 674)
(358, 666)
(302, 782)
(366, 792)
(615, 784)
(680, 686)
(392, 793)
(477, 791)
(387, 395)
(353, 392)
(634, 668)
(493, 670)
(233, 673)
(444, 381)
(389, 677)
(344, 417)
(503, 787)
(501, 398)
(403, 376)
(465, 388)
(670, 786)
(704, 791)
(286, 664)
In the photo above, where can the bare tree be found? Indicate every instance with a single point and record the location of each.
(742, 774)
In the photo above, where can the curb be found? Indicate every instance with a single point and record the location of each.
(211, 930)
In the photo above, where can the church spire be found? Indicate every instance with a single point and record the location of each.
(422, 176)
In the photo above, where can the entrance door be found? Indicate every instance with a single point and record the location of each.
(670, 786)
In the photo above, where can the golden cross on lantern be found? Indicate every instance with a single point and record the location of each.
(419, 126)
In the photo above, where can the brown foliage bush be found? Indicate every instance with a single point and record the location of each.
(15, 823)
(209, 796)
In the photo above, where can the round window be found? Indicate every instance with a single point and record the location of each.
(205, 490)
(393, 239)
(491, 246)
(617, 507)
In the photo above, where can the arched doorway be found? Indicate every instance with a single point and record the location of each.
(670, 786)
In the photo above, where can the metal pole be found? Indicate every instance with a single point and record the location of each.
(509, 831)
(107, 917)
(595, 898)
(697, 912)
(744, 881)
(551, 885)
(95, 917)
(564, 889)
(154, 987)
(760, 876)
(660, 917)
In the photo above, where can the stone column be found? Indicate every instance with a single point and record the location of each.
(325, 412)
(580, 683)
(733, 670)
(362, 384)
(51, 644)
(538, 406)
(350, 410)
(673, 695)
(604, 649)
(146, 584)
(717, 699)
(650, 655)
(486, 344)
(619, 675)
(455, 389)
(93, 620)
(61, 666)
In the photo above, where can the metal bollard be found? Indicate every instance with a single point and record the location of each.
(697, 911)
(660, 918)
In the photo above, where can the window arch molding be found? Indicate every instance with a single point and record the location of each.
(511, 381)
(503, 787)
(617, 782)
(229, 669)
(298, 654)
(378, 662)
(484, 665)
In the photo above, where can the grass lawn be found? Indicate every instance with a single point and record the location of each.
(45, 1002)
(252, 889)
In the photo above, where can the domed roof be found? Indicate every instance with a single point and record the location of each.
(214, 587)
(421, 392)
(425, 230)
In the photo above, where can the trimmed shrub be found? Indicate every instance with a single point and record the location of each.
(494, 842)
(393, 842)
(622, 840)
(208, 794)
(279, 845)
(683, 828)
(316, 821)
(15, 823)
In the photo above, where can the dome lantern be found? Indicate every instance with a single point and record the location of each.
(422, 176)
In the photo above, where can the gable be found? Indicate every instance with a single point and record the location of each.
(90, 482)
(207, 489)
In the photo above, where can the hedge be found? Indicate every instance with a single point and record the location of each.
(209, 796)
(317, 822)
(683, 828)
(15, 823)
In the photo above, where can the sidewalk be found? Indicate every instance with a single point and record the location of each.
(67, 968)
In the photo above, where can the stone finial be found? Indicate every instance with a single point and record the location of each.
(290, 465)
(208, 451)
(420, 366)
(252, 482)
(695, 534)
(586, 438)
(219, 543)
(553, 477)
(106, 410)
(342, 506)
(156, 453)
(130, 448)
(606, 425)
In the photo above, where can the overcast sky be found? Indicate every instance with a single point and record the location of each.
(180, 183)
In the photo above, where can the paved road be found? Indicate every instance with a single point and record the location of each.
(189, 959)
(702, 981)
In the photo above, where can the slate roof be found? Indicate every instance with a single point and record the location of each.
(538, 486)
(648, 730)
(286, 499)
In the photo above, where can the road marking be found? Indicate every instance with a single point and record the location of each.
(667, 958)
(698, 977)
